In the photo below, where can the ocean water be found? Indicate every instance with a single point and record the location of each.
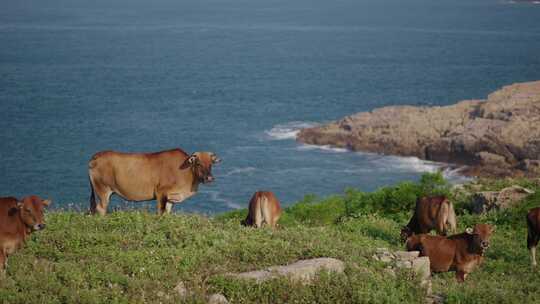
(238, 77)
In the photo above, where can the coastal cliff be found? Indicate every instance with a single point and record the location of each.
(498, 136)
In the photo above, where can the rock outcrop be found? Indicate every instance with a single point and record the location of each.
(496, 200)
(496, 137)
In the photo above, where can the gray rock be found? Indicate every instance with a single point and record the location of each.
(406, 255)
(181, 290)
(421, 268)
(303, 270)
(403, 264)
(386, 258)
(493, 200)
(427, 285)
(217, 299)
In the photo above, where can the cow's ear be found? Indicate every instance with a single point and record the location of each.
(189, 161)
(493, 228)
(469, 230)
(46, 203)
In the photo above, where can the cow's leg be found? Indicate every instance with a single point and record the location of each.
(3, 262)
(161, 199)
(273, 221)
(532, 241)
(533, 255)
(258, 221)
(168, 207)
(104, 195)
(99, 190)
(461, 275)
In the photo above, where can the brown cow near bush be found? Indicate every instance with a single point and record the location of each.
(264, 207)
(18, 219)
(167, 176)
(533, 232)
(460, 252)
(435, 212)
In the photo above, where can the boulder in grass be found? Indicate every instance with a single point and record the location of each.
(497, 200)
(303, 271)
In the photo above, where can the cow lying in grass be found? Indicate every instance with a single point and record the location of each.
(17, 220)
(460, 252)
(264, 208)
(430, 213)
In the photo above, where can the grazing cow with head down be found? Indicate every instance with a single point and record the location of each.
(533, 232)
(17, 220)
(264, 207)
(168, 176)
(460, 252)
(435, 212)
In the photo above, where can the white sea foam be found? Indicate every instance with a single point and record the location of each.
(243, 170)
(215, 196)
(324, 148)
(454, 175)
(288, 130)
(413, 164)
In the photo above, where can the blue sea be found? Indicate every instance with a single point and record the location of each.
(238, 77)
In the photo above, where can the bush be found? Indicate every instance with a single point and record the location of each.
(394, 201)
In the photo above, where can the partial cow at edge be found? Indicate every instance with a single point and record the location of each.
(18, 219)
(533, 232)
(169, 177)
(264, 208)
(435, 212)
(461, 253)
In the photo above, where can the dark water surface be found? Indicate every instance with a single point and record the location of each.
(238, 77)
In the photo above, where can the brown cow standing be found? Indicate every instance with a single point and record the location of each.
(460, 252)
(17, 220)
(533, 235)
(435, 212)
(264, 207)
(167, 176)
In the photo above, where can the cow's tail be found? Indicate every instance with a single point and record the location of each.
(264, 213)
(93, 204)
(451, 221)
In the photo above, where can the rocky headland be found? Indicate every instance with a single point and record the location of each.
(495, 137)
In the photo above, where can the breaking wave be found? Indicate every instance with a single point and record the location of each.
(215, 196)
(288, 130)
(243, 170)
(329, 148)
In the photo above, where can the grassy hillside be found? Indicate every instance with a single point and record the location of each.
(136, 257)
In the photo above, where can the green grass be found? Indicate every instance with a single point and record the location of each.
(137, 257)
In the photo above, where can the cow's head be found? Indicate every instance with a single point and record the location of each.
(406, 232)
(201, 165)
(480, 237)
(31, 210)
